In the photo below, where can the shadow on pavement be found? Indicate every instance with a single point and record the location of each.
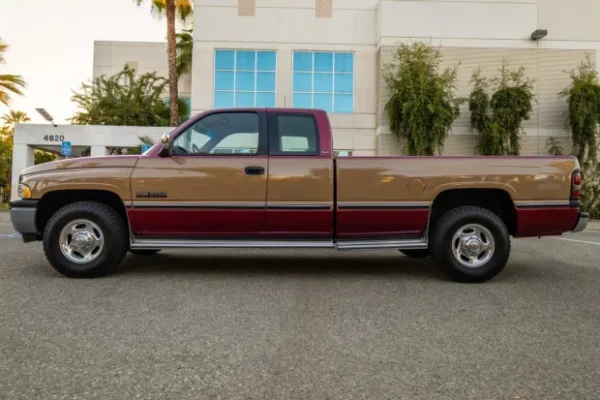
(173, 263)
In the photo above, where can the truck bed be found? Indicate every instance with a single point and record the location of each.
(394, 195)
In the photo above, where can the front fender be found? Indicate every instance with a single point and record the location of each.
(116, 180)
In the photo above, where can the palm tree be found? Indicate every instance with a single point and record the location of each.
(174, 9)
(9, 83)
(15, 117)
(185, 46)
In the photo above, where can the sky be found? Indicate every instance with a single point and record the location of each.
(52, 46)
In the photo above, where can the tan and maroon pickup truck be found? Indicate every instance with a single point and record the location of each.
(268, 178)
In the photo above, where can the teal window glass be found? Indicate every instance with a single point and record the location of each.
(323, 80)
(245, 78)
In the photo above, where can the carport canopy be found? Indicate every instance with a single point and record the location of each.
(29, 137)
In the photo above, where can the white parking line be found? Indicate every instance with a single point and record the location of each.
(10, 235)
(575, 240)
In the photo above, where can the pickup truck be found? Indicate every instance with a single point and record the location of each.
(268, 178)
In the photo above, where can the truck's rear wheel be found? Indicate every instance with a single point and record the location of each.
(470, 244)
(85, 240)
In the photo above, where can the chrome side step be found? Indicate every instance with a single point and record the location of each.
(155, 244)
(140, 244)
(381, 244)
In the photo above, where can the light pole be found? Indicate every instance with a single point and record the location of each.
(46, 115)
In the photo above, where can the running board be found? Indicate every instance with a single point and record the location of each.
(381, 244)
(155, 244)
(141, 244)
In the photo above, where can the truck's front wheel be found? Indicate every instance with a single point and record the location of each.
(85, 240)
(470, 244)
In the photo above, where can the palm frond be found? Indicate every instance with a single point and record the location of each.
(184, 47)
(12, 80)
(15, 117)
(157, 7)
(10, 84)
(3, 48)
(184, 9)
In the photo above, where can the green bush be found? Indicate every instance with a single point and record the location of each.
(498, 118)
(582, 120)
(422, 104)
(554, 147)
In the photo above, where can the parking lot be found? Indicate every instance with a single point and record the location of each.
(302, 325)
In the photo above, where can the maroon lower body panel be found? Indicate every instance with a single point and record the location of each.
(299, 223)
(545, 221)
(200, 222)
(381, 222)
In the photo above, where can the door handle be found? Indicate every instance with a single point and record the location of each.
(254, 170)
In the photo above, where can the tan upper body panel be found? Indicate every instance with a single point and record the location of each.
(84, 162)
(94, 173)
(421, 179)
(307, 180)
(300, 180)
(209, 179)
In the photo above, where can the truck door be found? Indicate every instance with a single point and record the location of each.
(300, 189)
(213, 183)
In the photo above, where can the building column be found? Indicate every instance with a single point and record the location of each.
(23, 157)
(99, 151)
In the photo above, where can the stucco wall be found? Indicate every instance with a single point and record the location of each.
(111, 57)
(285, 26)
(546, 66)
(474, 32)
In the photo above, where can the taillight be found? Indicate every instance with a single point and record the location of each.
(576, 185)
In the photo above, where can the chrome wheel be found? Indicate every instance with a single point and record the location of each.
(473, 245)
(81, 241)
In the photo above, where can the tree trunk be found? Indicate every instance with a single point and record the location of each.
(172, 55)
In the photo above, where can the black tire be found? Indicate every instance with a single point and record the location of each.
(144, 252)
(113, 230)
(442, 237)
(416, 253)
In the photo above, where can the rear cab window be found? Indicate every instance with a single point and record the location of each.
(293, 134)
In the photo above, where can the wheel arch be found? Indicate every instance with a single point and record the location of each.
(53, 201)
(498, 201)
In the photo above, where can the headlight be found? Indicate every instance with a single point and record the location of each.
(24, 191)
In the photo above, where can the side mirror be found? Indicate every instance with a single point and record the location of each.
(166, 141)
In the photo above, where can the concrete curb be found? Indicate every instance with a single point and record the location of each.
(594, 225)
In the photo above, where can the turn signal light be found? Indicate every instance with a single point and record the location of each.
(576, 185)
(24, 192)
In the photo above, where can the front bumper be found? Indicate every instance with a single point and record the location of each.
(22, 216)
(582, 222)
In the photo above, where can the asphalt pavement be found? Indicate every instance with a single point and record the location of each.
(302, 325)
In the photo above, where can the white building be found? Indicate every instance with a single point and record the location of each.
(332, 53)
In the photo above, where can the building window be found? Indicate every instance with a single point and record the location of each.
(342, 153)
(245, 78)
(323, 80)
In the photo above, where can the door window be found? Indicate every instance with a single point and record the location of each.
(229, 133)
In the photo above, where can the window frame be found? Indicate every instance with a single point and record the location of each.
(275, 138)
(263, 145)
(255, 92)
(313, 72)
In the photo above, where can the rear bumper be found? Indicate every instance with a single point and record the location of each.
(582, 222)
(22, 216)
